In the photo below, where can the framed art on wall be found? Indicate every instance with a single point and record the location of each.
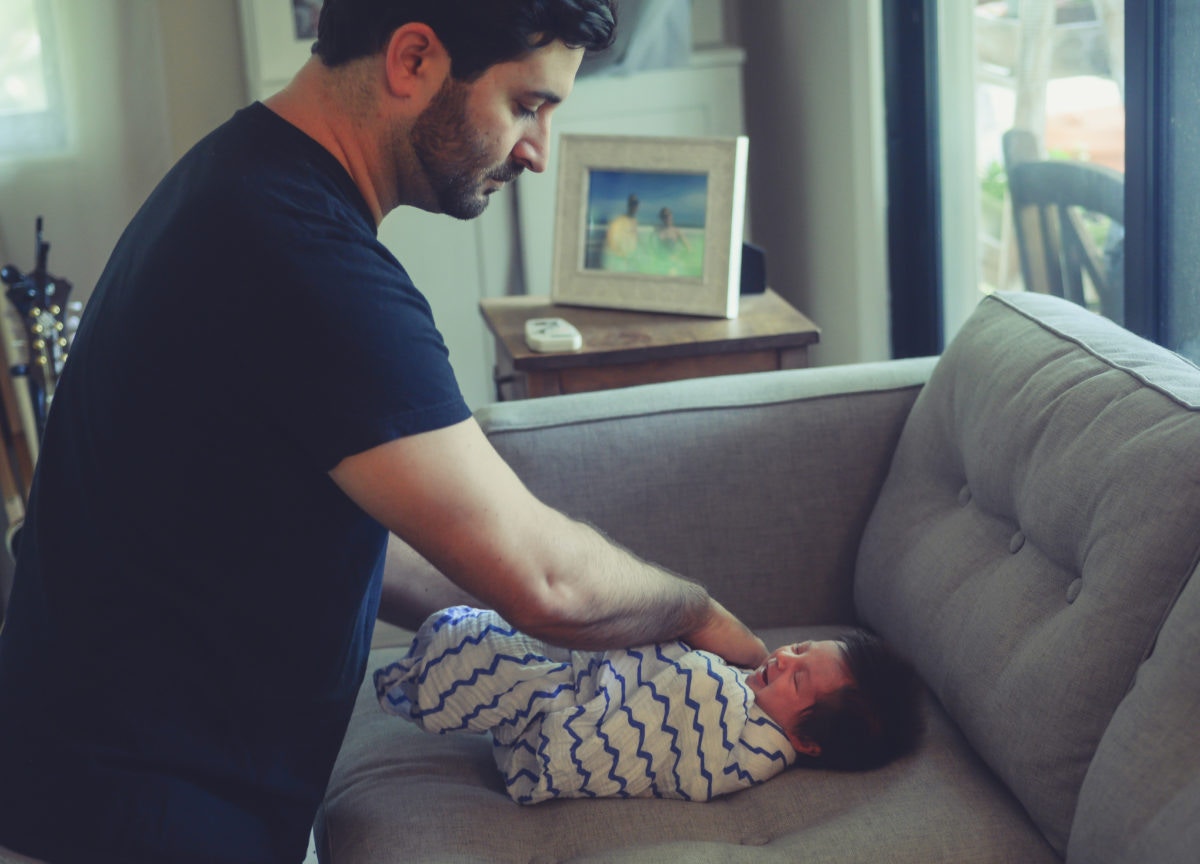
(277, 37)
(651, 224)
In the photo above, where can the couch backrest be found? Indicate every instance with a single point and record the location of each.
(1140, 801)
(756, 485)
(1039, 519)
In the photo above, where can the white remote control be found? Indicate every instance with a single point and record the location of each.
(546, 335)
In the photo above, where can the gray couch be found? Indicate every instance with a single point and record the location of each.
(1021, 518)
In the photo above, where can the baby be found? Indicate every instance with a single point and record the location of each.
(660, 720)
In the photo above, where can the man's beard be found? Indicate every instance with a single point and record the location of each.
(454, 156)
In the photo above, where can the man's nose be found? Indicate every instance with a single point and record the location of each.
(533, 150)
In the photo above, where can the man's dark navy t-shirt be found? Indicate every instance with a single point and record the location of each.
(188, 566)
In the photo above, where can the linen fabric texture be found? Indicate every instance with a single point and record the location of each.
(662, 721)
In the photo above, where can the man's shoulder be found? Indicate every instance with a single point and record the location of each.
(258, 171)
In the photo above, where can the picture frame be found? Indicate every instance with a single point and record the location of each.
(652, 224)
(277, 37)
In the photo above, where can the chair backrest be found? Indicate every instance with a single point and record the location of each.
(1053, 204)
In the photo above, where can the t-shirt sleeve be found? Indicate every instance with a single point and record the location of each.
(352, 358)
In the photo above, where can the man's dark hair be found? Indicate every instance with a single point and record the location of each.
(872, 721)
(477, 33)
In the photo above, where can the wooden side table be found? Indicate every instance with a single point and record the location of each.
(621, 349)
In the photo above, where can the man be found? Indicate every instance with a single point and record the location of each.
(256, 396)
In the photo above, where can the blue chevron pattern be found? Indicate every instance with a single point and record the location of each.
(662, 721)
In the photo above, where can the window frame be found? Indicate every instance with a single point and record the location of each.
(1145, 141)
(915, 262)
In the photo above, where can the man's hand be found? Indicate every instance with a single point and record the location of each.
(726, 636)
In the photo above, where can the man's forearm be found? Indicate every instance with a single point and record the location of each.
(627, 611)
(598, 595)
(450, 495)
(609, 598)
(622, 601)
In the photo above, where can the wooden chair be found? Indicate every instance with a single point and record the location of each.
(1054, 203)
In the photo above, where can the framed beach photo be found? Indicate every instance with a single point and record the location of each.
(651, 224)
(277, 38)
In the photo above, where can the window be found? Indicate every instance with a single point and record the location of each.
(1055, 70)
(1068, 71)
(32, 119)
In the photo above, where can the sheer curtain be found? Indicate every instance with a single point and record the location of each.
(116, 145)
(32, 114)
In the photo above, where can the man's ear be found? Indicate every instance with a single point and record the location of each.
(416, 63)
(804, 746)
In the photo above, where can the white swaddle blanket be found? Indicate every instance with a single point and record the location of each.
(662, 720)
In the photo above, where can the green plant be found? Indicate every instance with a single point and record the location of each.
(994, 182)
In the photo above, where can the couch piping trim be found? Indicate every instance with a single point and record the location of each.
(1108, 361)
(588, 420)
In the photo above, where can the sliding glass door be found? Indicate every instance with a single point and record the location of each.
(982, 88)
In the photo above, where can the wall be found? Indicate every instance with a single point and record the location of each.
(205, 70)
(818, 191)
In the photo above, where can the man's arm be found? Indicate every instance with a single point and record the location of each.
(450, 496)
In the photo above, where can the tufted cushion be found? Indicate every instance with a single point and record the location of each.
(1038, 520)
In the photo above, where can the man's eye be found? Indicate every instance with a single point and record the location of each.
(525, 112)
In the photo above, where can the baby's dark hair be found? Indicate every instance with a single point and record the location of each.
(872, 721)
(478, 34)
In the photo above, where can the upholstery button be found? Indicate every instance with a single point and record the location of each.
(964, 495)
(1017, 541)
(1073, 590)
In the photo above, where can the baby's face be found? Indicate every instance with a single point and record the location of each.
(796, 676)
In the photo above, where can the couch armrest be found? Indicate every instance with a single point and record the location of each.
(756, 485)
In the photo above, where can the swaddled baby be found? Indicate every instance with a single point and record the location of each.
(659, 720)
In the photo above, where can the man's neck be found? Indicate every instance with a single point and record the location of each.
(315, 104)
